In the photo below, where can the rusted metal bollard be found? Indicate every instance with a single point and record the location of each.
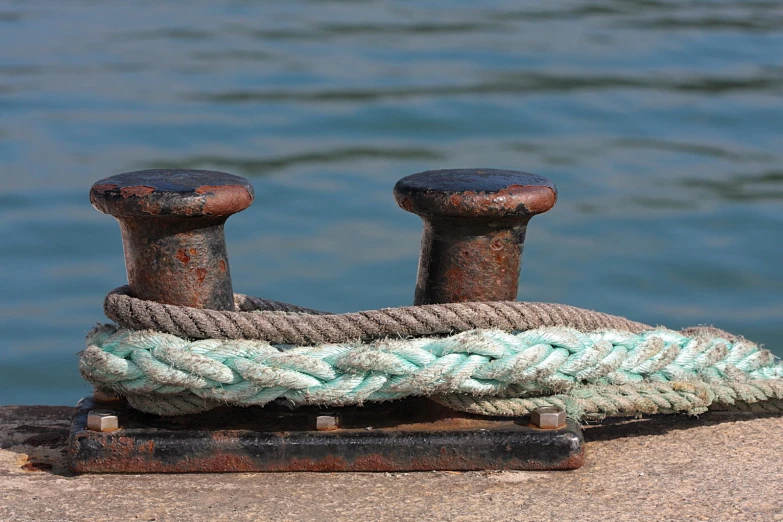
(474, 230)
(175, 252)
(172, 232)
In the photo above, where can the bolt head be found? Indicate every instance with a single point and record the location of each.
(102, 420)
(326, 422)
(548, 417)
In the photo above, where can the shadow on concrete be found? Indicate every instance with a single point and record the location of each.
(661, 424)
(38, 435)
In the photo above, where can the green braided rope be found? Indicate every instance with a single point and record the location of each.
(491, 372)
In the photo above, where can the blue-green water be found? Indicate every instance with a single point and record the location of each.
(660, 122)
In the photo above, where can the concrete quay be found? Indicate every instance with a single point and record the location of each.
(720, 466)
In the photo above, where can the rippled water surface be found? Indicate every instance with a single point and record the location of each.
(659, 121)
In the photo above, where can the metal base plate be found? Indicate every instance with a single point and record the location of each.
(408, 435)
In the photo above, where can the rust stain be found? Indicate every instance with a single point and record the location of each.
(193, 251)
(224, 435)
(218, 462)
(183, 257)
(222, 265)
(373, 462)
(201, 274)
(225, 199)
(150, 207)
(138, 191)
(37, 466)
(24, 462)
(207, 189)
(327, 463)
(538, 199)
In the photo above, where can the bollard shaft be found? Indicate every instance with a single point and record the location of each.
(178, 261)
(468, 262)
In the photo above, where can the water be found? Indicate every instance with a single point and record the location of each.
(658, 120)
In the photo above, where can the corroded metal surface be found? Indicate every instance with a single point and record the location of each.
(475, 222)
(404, 436)
(172, 232)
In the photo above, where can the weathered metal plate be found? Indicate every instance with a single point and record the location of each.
(409, 435)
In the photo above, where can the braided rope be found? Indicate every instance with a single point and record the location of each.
(606, 372)
(282, 323)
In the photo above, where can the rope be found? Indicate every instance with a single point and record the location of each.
(599, 402)
(604, 372)
(282, 323)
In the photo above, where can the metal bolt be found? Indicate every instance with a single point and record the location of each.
(548, 417)
(326, 422)
(474, 230)
(172, 232)
(102, 420)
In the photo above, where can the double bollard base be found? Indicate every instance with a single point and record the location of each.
(408, 435)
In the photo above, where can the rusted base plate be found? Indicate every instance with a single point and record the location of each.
(407, 435)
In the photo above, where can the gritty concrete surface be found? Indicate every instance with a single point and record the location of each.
(720, 466)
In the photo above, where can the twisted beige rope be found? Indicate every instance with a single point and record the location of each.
(282, 323)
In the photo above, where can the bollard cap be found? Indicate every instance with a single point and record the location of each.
(475, 193)
(172, 193)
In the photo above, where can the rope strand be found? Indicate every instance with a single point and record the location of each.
(282, 323)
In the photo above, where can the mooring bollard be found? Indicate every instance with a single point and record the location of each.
(172, 229)
(172, 232)
(474, 230)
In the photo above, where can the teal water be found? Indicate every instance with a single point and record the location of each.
(659, 121)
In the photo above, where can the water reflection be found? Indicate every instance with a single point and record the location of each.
(760, 22)
(261, 166)
(239, 55)
(6, 16)
(742, 187)
(658, 120)
(169, 33)
(522, 83)
(322, 32)
(696, 148)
